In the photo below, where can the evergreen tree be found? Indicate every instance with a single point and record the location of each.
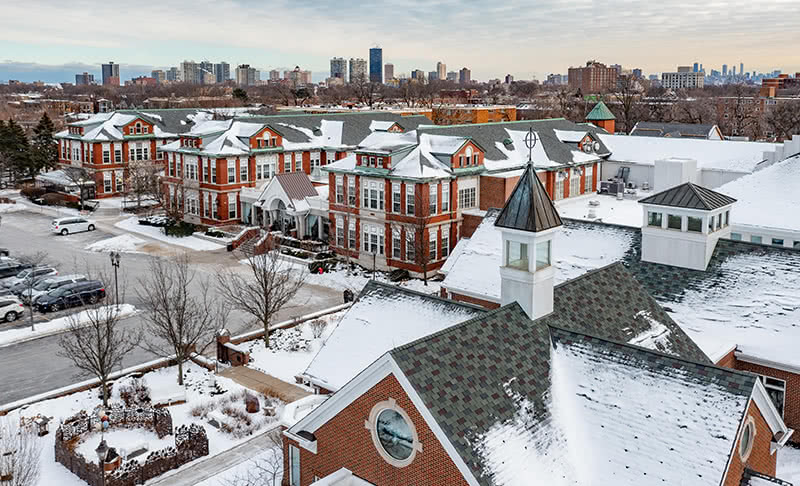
(4, 157)
(44, 149)
(17, 149)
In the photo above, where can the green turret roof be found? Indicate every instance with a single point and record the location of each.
(600, 112)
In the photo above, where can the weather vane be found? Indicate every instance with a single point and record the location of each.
(530, 142)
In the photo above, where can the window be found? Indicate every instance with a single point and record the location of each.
(352, 235)
(231, 171)
(315, 164)
(589, 176)
(214, 172)
(466, 198)
(727, 217)
(432, 246)
(294, 466)
(445, 242)
(242, 171)
(718, 219)
(542, 254)
(777, 241)
(796, 245)
(106, 181)
(396, 244)
(118, 155)
(373, 195)
(755, 239)
(516, 255)
(393, 433)
(340, 233)
(695, 224)
(574, 183)
(339, 190)
(351, 190)
(206, 206)
(674, 222)
(711, 224)
(432, 200)
(445, 196)
(410, 199)
(373, 239)
(106, 157)
(205, 172)
(145, 129)
(372, 162)
(776, 389)
(559, 186)
(396, 197)
(475, 159)
(654, 219)
(287, 162)
(232, 205)
(736, 236)
(120, 181)
(746, 440)
(461, 162)
(410, 243)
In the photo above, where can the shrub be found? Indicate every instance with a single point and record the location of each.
(53, 199)
(180, 229)
(317, 327)
(135, 393)
(32, 192)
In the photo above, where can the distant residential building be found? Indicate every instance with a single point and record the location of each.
(206, 66)
(418, 74)
(159, 75)
(441, 70)
(617, 68)
(246, 75)
(388, 72)
(274, 75)
(593, 78)
(84, 79)
(770, 86)
(358, 69)
(297, 76)
(509, 79)
(452, 76)
(110, 74)
(376, 65)
(189, 72)
(339, 68)
(556, 79)
(459, 115)
(141, 81)
(222, 72)
(683, 79)
(433, 75)
(207, 77)
(464, 76)
(172, 74)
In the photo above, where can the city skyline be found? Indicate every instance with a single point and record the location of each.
(722, 35)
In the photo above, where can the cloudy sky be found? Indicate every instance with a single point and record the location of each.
(525, 38)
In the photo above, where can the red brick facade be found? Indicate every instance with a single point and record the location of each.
(760, 459)
(344, 441)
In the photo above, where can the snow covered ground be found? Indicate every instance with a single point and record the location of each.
(291, 350)
(125, 441)
(120, 202)
(10, 208)
(627, 212)
(198, 391)
(122, 243)
(191, 242)
(57, 325)
(789, 465)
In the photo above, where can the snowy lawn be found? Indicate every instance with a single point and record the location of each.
(120, 202)
(125, 441)
(627, 212)
(264, 468)
(122, 243)
(191, 242)
(291, 350)
(198, 391)
(58, 325)
(789, 465)
(10, 208)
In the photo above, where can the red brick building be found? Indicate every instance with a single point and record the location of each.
(595, 77)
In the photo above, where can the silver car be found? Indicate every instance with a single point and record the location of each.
(48, 285)
(30, 273)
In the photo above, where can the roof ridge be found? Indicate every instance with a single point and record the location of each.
(699, 194)
(423, 294)
(432, 126)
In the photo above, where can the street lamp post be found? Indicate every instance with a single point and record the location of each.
(80, 184)
(115, 258)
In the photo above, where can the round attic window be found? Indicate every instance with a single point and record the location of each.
(747, 439)
(393, 433)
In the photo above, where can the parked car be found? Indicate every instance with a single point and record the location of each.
(50, 284)
(10, 267)
(4, 252)
(22, 287)
(28, 274)
(65, 226)
(10, 308)
(72, 295)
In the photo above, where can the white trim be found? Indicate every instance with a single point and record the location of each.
(768, 410)
(371, 424)
(765, 362)
(721, 354)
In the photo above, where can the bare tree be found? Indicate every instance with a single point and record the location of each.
(627, 94)
(95, 340)
(34, 260)
(266, 470)
(142, 180)
(179, 320)
(784, 119)
(20, 455)
(273, 283)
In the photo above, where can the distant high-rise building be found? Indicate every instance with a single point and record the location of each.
(84, 79)
(418, 74)
(684, 78)
(222, 72)
(724, 69)
(509, 79)
(207, 66)
(696, 67)
(441, 70)
(617, 67)
(246, 75)
(189, 72)
(592, 78)
(274, 75)
(207, 77)
(733, 73)
(433, 75)
(159, 75)
(376, 65)
(339, 68)
(110, 74)
(637, 73)
(452, 76)
(464, 76)
(358, 70)
(388, 72)
(172, 74)
(741, 68)
(556, 79)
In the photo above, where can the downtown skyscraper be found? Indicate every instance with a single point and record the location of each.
(376, 65)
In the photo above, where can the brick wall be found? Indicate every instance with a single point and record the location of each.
(760, 458)
(345, 442)
(791, 407)
(469, 224)
(469, 300)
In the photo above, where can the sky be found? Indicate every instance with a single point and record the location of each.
(52, 40)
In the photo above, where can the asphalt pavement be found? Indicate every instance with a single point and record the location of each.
(34, 367)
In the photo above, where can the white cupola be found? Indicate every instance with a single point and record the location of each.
(528, 223)
(683, 224)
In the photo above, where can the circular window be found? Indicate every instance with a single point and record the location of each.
(746, 441)
(393, 433)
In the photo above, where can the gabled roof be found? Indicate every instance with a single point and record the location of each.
(659, 129)
(297, 185)
(600, 112)
(690, 196)
(529, 208)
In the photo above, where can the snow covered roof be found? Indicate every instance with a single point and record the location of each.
(709, 154)
(685, 130)
(166, 123)
(383, 317)
(531, 394)
(388, 142)
(763, 196)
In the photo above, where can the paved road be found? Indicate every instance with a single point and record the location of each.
(34, 367)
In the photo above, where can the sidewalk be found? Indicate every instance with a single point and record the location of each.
(264, 383)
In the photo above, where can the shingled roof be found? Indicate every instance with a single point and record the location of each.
(690, 196)
(658, 129)
(529, 208)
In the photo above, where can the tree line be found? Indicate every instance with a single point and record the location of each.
(22, 157)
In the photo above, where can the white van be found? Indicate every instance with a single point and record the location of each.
(74, 224)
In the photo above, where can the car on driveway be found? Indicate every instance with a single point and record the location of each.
(47, 285)
(10, 308)
(27, 274)
(72, 295)
(73, 224)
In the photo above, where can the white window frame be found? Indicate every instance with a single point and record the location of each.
(351, 235)
(243, 171)
(445, 196)
(396, 244)
(397, 205)
(445, 242)
(467, 198)
(232, 204)
(589, 175)
(574, 183)
(119, 181)
(410, 199)
(433, 199)
(294, 464)
(107, 186)
(231, 171)
(339, 189)
(340, 233)
(287, 162)
(432, 253)
(352, 193)
(411, 239)
(770, 386)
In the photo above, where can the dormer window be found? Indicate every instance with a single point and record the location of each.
(475, 159)
(138, 128)
(145, 129)
(372, 162)
(461, 160)
(274, 141)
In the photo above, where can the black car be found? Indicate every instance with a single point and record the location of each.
(10, 268)
(73, 295)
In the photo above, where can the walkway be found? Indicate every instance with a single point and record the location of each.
(264, 383)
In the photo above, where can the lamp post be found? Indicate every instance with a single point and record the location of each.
(115, 258)
(80, 184)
